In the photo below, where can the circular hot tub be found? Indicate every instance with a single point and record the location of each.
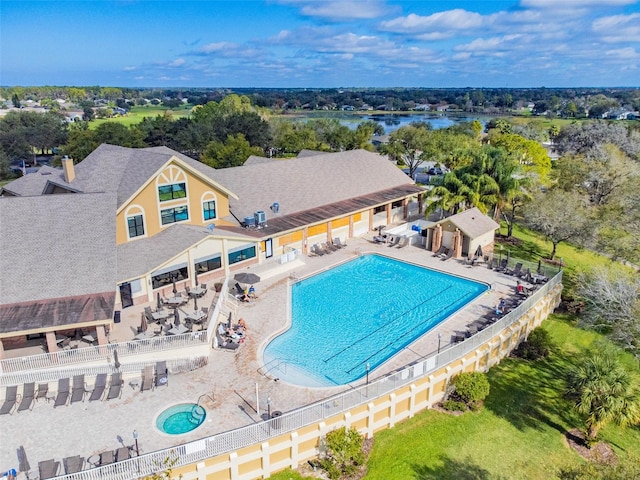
(181, 418)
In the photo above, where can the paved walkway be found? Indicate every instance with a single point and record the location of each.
(229, 380)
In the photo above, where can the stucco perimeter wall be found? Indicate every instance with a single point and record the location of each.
(376, 411)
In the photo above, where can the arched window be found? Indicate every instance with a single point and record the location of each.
(209, 207)
(172, 195)
(134, 216)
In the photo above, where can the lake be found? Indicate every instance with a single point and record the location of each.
(392, 121)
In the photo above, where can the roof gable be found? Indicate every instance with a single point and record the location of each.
(472, 222)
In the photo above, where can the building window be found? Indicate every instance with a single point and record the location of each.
(381, 208)
(396, 204)
(167, 278)
(172, 192)
(173, 215)
(241, 255)
(136, 226)
(209, 209)
(209, 264)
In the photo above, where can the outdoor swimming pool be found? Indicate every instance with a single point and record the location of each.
(358, 313)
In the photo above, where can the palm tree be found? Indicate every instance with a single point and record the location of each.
(602, 391)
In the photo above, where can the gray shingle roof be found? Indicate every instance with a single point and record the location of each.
(140, 257)
(56, 246)
(472, 222)
(306, 183)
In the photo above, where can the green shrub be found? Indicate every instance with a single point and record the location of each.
(471, 387)
(344, 452)
(536, 347)
(454, 406)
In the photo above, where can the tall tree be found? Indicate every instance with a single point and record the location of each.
(560, 216)
(232, 153)
(407, 145)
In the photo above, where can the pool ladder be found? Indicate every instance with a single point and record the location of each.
(198, 412)
(274, 364)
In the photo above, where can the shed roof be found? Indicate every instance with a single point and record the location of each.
(472, 222)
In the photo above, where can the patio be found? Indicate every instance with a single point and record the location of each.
(228, 384)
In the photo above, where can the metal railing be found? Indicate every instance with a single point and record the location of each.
(212, 446)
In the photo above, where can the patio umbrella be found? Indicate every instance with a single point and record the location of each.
(173, 280)
(539, 266)
(229, 321)
(23, 463)
(116, 361)
(195, 303)
(176, 317)
(195, 274)
(246, 277)
(479, 251)
(159, 302)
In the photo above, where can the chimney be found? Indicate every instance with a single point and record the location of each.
(67, 167)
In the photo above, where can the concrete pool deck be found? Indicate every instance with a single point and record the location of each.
(231, 380)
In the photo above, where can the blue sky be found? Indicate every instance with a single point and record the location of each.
(321, 43)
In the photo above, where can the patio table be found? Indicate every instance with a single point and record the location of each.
(196, 316)
(198, 291)
(143, 335)
(179, 330)
(89, 338)
(160, 315)
(174, 301)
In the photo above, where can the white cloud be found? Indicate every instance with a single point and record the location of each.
(455, 20)
(565, 4)
(179, 62)
(341, 9)
(618, 28)
(627, 53)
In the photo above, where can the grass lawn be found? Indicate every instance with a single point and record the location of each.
(136, 114)
(518, 435)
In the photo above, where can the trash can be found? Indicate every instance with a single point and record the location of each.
(116, 316)
(276, 415)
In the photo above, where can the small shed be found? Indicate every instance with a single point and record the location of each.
(464, 233)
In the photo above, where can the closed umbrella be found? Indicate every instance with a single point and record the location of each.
(176, 317)
(116, 361)
(246, 277)
(173, 280)
(195, 303)
(229, 321)
(539, 266)
(23, 463)
(159, 302)
(143, 323)
(479, 251)
(195, 274)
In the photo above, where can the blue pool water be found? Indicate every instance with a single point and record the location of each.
(181, 418)
(363, 311)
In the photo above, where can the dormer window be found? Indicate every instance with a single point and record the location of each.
(172, 192)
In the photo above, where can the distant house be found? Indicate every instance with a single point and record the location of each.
(424, 107)
(348, 108)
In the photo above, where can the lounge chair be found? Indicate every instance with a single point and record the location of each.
(122, 454)
(225, 344)
(445, 252)
(502, 266)
(106, 458)
(28, 392)
(77, 394)
(330, 247)
(99, 387)
(73, 464)
(48, 469)
(316, 250)
(440, 251)
(10, 400)
(239, 289)
(338, 243)
(516, 270)
(115, 388)
(147, 379)
(63, 392)
(43, 390)
(162, 374)
(404, 241)
(448, 255)
(393, 241)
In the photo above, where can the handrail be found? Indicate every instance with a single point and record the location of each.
(208, 447)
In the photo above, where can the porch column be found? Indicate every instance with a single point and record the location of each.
(420, 196)
(371, 219)
(388, 211)
(1, 350)
(329, 232)
(52, 345)
(305, 247)
(350, 226)
(405, 208)
(101, 334)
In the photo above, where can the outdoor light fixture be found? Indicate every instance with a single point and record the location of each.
(135, 437)
(439, 339)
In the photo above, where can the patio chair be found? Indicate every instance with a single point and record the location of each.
(329, 247)
(162, 374)
(448, 255)
(99, 387)
(28, 392)
(115, 388)
(502, 266)
(239, 289)
(316, 250)
(439, 251)
(10, 400)
(43, 390)
(147, 379)
(445, 252)
(225, 344)
(63, 392)
(203, 286)
(106, 458)
(78, 391)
